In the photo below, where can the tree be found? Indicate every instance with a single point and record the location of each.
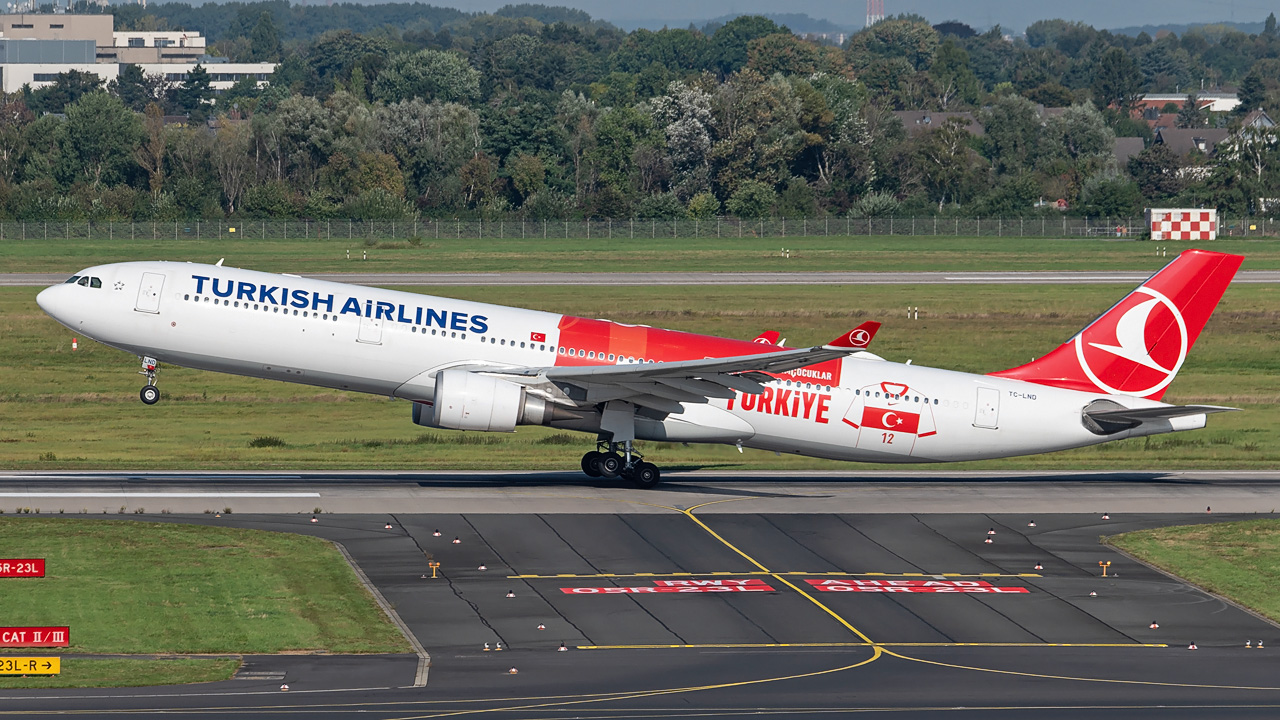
(14, 119)
(264, 41)
(1077, 144)
(67, 88)
(98, 144)
(948, 166)
(1269, 27)
(528, 174)
(1190, 115)
(1252, 93)
(428, 74)
(1117, 80)
(192, 94)
(150, 152)
(728, 49)
(1155, 170)
(232, 163)
(910, 40)
(1012, 128)
(752, 199)
(133, 88)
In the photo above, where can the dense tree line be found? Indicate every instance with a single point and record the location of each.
(541, 113)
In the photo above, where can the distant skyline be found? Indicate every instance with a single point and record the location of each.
(1013, 15)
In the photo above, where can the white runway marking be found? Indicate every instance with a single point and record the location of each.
(157, 495)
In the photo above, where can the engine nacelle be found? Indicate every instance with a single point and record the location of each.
(470, 401)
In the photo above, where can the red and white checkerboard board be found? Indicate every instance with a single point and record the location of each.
(1184, 225)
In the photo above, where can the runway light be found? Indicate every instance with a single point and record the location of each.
(1039, 566)
(992, 531)
(1208, 510)
(497, 647)
(1106, 516)
(1093, 594)
(562, 648)
(387, 526)
(313, 519)
(1031, 524)
(1248, 644)
(482, 567)
(1192, 646)
(457, 541)
(73, 344)
(541, 626)
(284, 688)
(987, 541)
(511, 593)
(513, 671)
(1154, 625)
(436, 533)
(1259, 644)
(486, 647)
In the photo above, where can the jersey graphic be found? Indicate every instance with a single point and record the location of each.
(890, 417)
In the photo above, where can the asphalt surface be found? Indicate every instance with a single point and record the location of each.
(1052, 651)
(707, 278)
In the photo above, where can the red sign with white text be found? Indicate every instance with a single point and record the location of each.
(22, 568)
(677, 586)
(35, 636)
(913, 586)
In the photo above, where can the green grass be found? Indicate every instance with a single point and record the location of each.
(84, 672)
(1239, 560)
(79, 410)
(145, 588)
(808, 254)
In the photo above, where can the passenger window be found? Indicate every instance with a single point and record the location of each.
(95, 282)
(592, 354)
(186, 297)
(560, 350)
(610, 357)
(521, 345)
(542, 347)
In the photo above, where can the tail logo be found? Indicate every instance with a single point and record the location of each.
(859, 338)
(1134, 354)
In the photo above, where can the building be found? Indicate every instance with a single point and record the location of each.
(36, 48)
(1208, 102)
(917, 122)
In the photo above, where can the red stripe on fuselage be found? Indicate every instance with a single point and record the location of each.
(606, 338)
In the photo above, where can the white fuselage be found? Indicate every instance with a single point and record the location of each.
(393, 343)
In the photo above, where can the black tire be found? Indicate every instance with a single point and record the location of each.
(591, 463)
(645, 476)
(150, 394)
(610, 465)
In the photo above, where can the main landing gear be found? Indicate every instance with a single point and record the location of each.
(150, 394)
(607, 462)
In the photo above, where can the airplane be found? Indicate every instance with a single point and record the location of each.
(475, 366)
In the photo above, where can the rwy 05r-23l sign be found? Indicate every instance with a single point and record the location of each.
(21, 568)
(913, 586)
(30, 666)
(677, 586)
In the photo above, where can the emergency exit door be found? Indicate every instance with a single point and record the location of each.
(149, 293)
(987, 414)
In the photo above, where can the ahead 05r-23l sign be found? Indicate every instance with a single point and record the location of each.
(31, 568)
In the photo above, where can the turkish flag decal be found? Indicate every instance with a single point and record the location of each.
(890, 419)
(538, 337)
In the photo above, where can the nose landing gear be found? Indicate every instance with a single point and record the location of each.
(150, 394)
(607, 462)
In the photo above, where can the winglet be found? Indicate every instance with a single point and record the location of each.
(768, 337)
(858, 338)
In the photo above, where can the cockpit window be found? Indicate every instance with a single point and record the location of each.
(84, 281)
(95, 282)
(71, 280)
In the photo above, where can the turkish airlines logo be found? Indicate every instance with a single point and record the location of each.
(859, 338)
(1139, 352)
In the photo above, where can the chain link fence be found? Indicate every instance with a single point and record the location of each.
(421, 230)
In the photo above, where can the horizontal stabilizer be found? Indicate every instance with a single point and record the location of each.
(1105, 417)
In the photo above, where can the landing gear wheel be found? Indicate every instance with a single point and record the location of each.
(591, 463)
(150, 394)
(610, 464)
(645, 476)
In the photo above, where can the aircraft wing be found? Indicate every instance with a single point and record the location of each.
(663, 386)
(1111, 420)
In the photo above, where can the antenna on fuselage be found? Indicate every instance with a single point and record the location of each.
(219, 263)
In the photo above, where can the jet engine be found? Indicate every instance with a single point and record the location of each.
(470, 401)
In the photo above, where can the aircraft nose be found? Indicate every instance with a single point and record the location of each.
(52, 300)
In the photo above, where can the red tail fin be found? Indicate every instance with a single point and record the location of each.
(1138, 346)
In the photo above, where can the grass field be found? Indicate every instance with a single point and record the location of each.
(1240, 560)
(144, 588)
(79, 410)
(85, 672)
(812, 254)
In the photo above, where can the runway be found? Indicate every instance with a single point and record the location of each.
(726, 595)
(706, 278)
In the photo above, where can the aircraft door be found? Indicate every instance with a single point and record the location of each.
(987, 414)
(149, 293)
(370, 331)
